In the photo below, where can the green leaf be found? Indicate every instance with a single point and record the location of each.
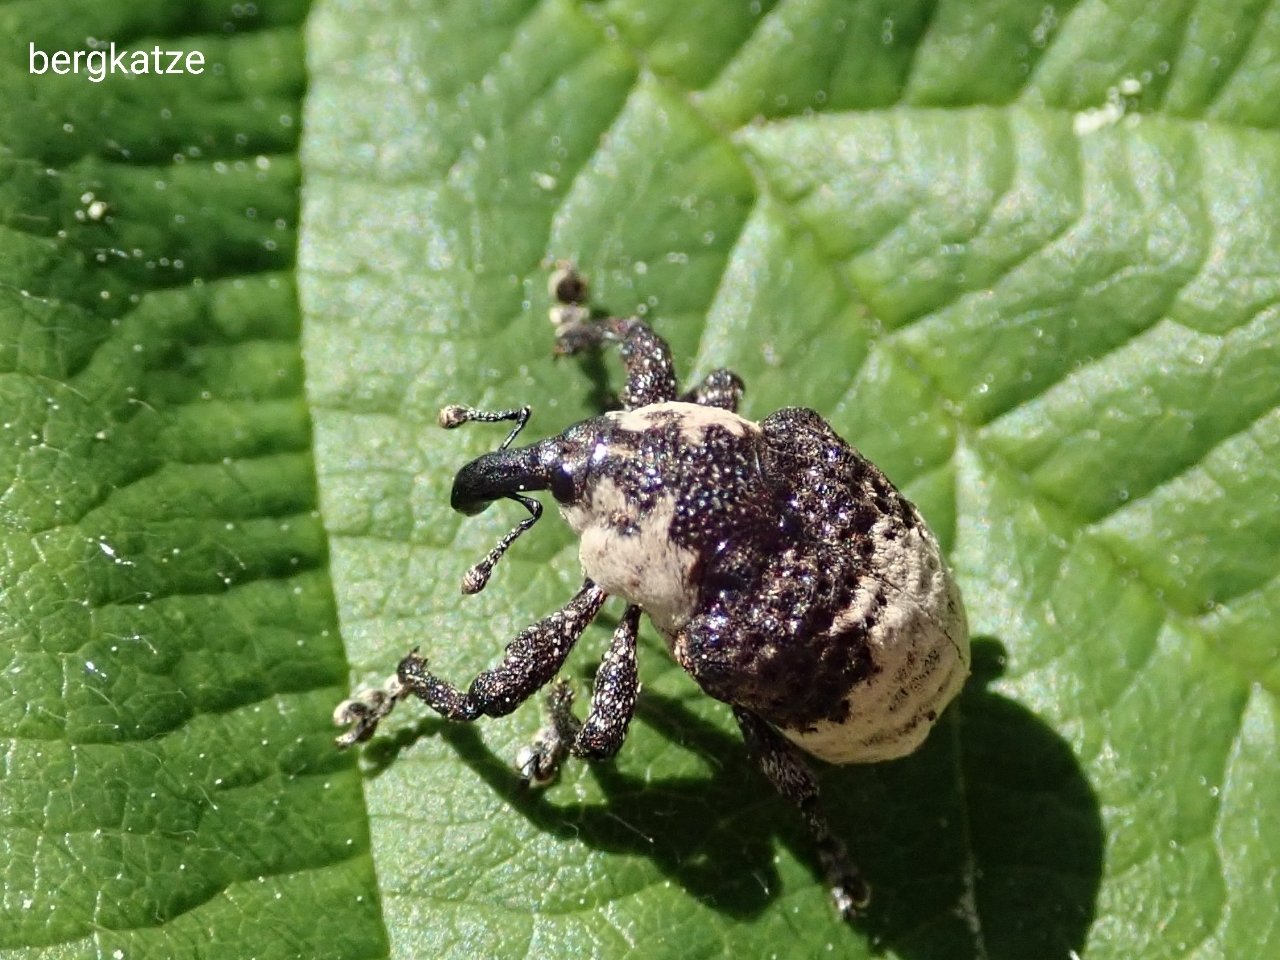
(1023, 256)
(170, 651)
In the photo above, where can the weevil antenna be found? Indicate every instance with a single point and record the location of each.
(488, 478)
(455, 415)
(474, 580)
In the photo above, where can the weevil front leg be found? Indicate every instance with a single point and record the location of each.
(651, 374)
(613, 704)
(786, 769)
(363, 710)
(531, 660)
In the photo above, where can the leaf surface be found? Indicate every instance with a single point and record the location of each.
(170, 650)
(1022, 256)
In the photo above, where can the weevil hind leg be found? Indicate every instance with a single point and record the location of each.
(613, 704)
(783, 765)
(651, 375)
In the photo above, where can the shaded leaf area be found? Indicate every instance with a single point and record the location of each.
(170, 655)
(1022, 256)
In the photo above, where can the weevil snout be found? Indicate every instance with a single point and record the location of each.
(495, 476)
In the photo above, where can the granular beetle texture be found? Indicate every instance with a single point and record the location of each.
(784, 571)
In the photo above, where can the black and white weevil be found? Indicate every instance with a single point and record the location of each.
(784, 571)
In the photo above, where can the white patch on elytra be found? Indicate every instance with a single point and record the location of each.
(694, 419)
(919, 644)
(645, 567)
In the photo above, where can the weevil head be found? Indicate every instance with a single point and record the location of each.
(508, 473)
(650, 493)
(495, 475)
(557, 464)
(672, 448)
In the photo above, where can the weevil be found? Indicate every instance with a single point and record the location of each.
(785, 572)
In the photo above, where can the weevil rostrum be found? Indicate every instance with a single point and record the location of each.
(785, 572)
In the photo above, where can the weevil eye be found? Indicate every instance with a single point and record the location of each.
(563, 487)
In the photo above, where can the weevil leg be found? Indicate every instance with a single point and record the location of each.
(539, 761)
(531, 660)
(651, 375)
(613, 704)
(786, 769)
(613, 695)
(720, 388)
(361, 712)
